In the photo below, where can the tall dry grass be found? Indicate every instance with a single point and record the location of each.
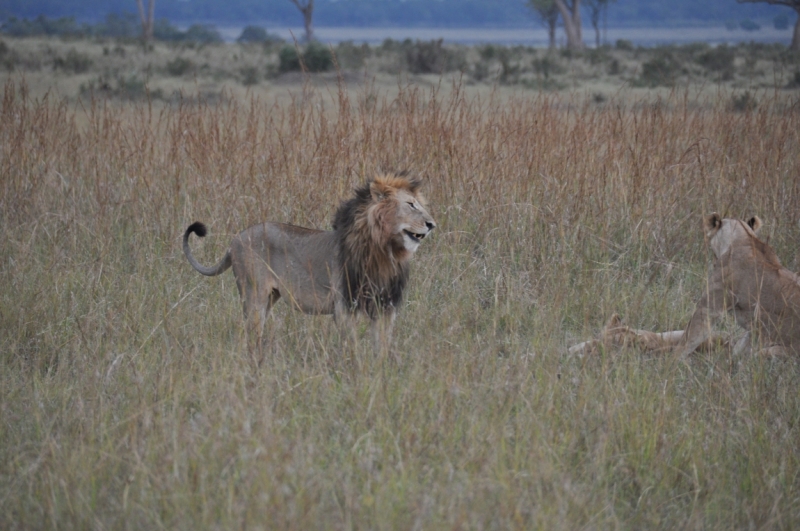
(128, 399)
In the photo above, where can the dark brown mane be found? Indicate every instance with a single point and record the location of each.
(373, 279)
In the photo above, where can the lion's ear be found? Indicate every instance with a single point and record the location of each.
(712, 222)
(379, 191)
(755, 223)
(414, 184)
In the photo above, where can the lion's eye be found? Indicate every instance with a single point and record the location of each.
(412, 205)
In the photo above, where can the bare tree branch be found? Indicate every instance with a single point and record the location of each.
(147, 18)
(571, 16)
(596, 8)
(548, 14)
(306, 7)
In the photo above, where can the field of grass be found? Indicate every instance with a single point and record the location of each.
(128, 399)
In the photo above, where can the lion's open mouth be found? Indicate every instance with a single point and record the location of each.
(415, 237)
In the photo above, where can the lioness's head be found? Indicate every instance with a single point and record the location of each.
(397, 215)
(722, 233)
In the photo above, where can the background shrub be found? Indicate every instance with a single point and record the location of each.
(125, 26)
(431, 57)
(426, 57)
(179, 66)
(624, 45)
(202, 34)
(349, 55)
(663, 69)
(253, 34)
(41, 25)
(315, 58)
(249, 75)
(164, 31)
(74, 62)
(718, 60)
(7, 56)
(547, 66)
(318, 57)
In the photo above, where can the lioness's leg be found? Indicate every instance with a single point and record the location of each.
(709, 308)
(775, 351)
(743, 346)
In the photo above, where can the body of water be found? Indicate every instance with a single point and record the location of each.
(529, 36)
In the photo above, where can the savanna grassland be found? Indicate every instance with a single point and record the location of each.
(166, 71)
(128, 398)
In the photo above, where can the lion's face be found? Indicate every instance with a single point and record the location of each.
(722, 233)
(398, 216)
(413, 222)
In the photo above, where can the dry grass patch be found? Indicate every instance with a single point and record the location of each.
(128, 399)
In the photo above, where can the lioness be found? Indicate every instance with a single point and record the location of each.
(747, 280)
(359, 266)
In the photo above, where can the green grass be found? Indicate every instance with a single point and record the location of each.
(128, 398)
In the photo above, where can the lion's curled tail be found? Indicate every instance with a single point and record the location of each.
(221, 266)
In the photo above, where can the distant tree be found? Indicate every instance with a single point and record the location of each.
(306, 7)
(794, 4)
(597, 8)
(749, 25)
(547, 12)
(781, 22)
(253, 34)
(124, 25)
(147, 19)
(570, 11)
(202, 34)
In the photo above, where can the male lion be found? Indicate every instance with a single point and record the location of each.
(359, 266)
(748, 281)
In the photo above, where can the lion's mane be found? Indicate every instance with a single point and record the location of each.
(374, 263)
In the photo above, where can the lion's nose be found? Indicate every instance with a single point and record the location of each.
(430, 224)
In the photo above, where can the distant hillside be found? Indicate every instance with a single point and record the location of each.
(398, 13)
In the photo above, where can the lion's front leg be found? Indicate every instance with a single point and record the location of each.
(382, 329)
(345, 322)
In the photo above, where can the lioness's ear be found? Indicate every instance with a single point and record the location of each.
(712, 222)
(755, 223)
(615, 321)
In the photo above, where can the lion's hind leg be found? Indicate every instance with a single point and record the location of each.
(257, 302)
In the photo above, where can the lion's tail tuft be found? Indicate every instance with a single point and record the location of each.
(198, 228)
